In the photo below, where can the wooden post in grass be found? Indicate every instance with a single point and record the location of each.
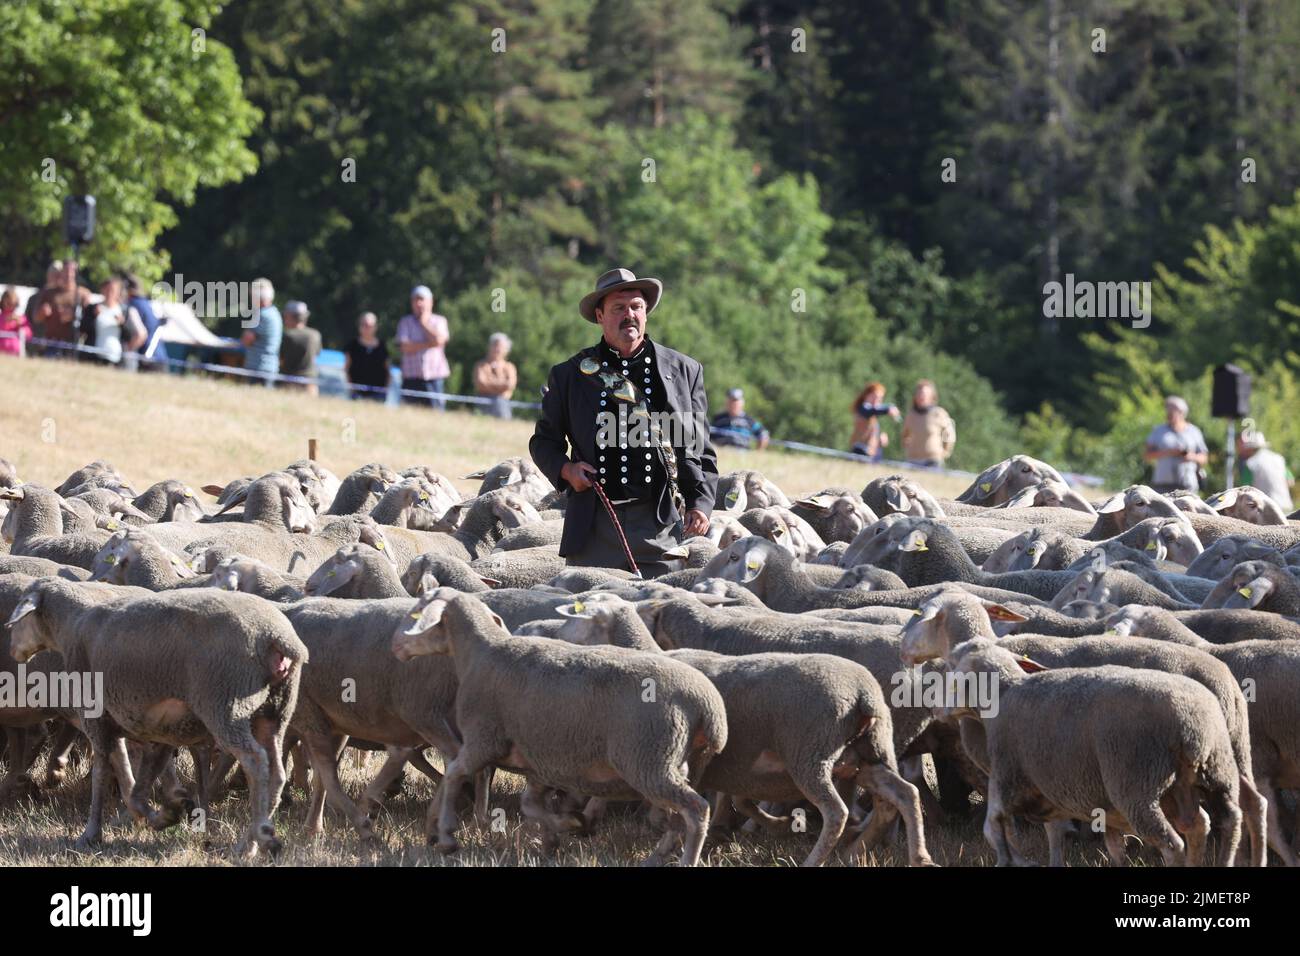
(311, 448)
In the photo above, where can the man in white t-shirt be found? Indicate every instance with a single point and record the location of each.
(1265, 468)
(1177, 448)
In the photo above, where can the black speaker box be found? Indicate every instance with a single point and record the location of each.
(1231, 397)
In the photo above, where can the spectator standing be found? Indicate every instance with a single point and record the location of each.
(735, 428)
(365, 360)
(59, 307)
(299, 347)
(928, 430)
(1264, 468)
(496, 377)
(1178, 450)
(15, 330)
(422, 336)
(109, 318)
(868, 439)
(262, 338)
(151, 348)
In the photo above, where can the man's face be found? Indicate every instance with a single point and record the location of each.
(735, 406)
(421, 305)
(1174, 416)
(622, 317)
(69, 275)
(368, 325)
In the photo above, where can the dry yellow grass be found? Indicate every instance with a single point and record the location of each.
(57, 416)
(39, 831)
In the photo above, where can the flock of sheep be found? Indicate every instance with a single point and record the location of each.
(813, 660)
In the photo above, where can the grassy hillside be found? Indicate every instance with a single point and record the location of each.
(57, 416)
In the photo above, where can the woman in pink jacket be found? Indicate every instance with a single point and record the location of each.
(14, 328)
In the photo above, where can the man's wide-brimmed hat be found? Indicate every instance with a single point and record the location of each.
(615, 280)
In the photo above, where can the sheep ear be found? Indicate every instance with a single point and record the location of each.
(819, 502)
(496, 619)
(731, 498)
(895, 498)
(490, 582)
(753, 568)
(1223, 500)
(12, 494)
(426, 617)
(378, 486)
(475, 475)
(709, 599)
(575, 610)
(214, 490)
(1112, 504)
(427, 583)
(339, 575)
(681, 551)
(928, 612)
(915, 541)
(1256, 591)
(998, 612)
(1024, 498)
(1156, 548)
(986, 483)
(1030, 666)
(27, 605)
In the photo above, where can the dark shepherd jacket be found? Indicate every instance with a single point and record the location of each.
(569, 410)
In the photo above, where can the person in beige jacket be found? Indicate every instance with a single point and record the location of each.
(495, 377)
(928, 430)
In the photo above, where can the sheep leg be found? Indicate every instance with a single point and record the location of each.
(1154, 829)
(463, 767)
(269, 733)
(723, 813)
(693, 809)
(301, 765)
(1057, 831)
(1115, 847)
(913, 771)
(533, 804)
(153, 764)
(996, 823)
(100, 775)
(885, 785)
(1276, 837)
(421, 763)
(1255, 816)
(16, 780)
(65, 738)
(394, 764)
(760, 816)
(220, 783)
(255, 762)
(821, 793)
(325, 751)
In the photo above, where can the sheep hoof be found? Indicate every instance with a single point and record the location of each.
(447, 846)
(573, 822)
(925, 861)
(87, 844)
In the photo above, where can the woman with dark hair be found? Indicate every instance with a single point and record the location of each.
(867, 438)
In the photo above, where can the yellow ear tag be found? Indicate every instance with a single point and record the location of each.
(985, 486)
(415, 615)
(111, 559)
(424, 496)
(188, 493)
(1151, 546)
(112, 526)
(1111, 630)
(1244, 592)
(379, 546)
(917, 612)
(751, 565)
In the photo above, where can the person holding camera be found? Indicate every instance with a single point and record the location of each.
(1178, 450)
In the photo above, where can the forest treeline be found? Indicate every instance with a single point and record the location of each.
(831, 191)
